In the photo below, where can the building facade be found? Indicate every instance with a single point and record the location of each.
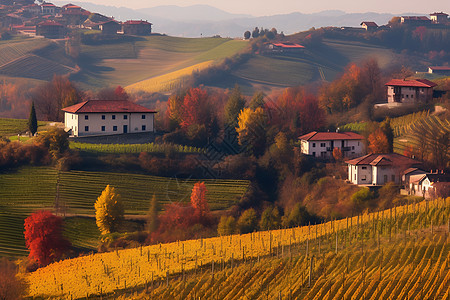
(439, 18)
(322, 144)
(409, 91)
(108, 117)
(137, 27)
(379, 169)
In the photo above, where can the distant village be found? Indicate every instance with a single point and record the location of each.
(54, 22)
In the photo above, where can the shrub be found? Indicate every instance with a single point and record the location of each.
(227, 225)
(43, 237)
(11, 287)
(248, 221)
(270, 219)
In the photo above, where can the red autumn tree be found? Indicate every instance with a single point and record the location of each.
(199, 202)
(196, 109)
(43, 237)
(378, 142)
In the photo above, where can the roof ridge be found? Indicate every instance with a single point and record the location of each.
(83, 104)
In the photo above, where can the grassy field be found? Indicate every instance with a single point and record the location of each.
(149, 57)
(133, 148)
(10, 127)
(32, 188)
(402, 253)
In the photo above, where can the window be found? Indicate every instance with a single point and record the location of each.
(314, 145)
(103, 128)
(143, 117)
(358, 143)
(72, 117)
(114, 128)
(407, 96)
(364, 168)
(363, 178)
(385, 178)
(86, 128)
(322, 144)
(412, 96)
(113, 117)
(86, 117)
(103, 117)
(125, 117)
(353, 147)
(143, 127)
(393, 178)
(355, 176)
(314, 154)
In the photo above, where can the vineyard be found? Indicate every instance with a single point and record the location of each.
(398, 253)
(14, 126)
(31, 188)
(133, 148)
(406, 135)
(13, 50)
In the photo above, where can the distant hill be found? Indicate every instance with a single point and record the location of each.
(205, 20)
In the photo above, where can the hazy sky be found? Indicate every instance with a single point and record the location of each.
(265, 7)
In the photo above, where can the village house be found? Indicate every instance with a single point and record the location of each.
(284, 47)
(441, 70)
(50, 30)
(379, 169)
(109, 27)
(415, 20)
(439, 18)
(134, 27)
(369, 26)
(426, 185)
(409, 91)
(107, 117)
(322, 144)
(48, 9)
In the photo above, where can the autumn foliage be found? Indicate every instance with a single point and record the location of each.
(378, 142)
(200, 203)
(43, 237)
(109, 210)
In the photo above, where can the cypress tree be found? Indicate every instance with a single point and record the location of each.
(32, 120)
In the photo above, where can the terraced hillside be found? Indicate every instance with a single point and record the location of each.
(401, 253)
(32, 188)
(146, 58)
(34, 58)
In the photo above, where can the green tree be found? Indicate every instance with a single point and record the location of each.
(32, 120)
(297, 217)
(361, 198)
(152, 217)
(247, 35)
(227, 225)
(386, 128)
(55, 140)
(248, 221)
(109, 210)
(234, 105)
(255, 33)
(270, 219)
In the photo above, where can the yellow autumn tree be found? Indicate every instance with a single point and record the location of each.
(252, 129)
(109, 210)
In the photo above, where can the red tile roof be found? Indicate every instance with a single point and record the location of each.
(369, 24)
(327, 136)
(390, 159)
(416, 18)
(439, 14)
(48, 5)
(288, 45)
(105, 106)
(411, 83)
(136, 22)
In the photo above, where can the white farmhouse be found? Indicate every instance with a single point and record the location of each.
(321, 144)
(106, 117)
(379, 169)
(410, 91)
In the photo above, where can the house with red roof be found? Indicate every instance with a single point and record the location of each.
(283, 47)
(137, 27)
(409, 91)
(108, 117)
(439, 18)
(369, 26)
(415, 20)
(379, 169)
(50, 29)
(322, 144)
(48, 8)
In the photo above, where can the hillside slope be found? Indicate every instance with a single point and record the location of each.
(399, 253)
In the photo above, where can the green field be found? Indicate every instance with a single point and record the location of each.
(148, 57)
(133, 148)
(10, 127)
(32, 188)
(320, 62)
